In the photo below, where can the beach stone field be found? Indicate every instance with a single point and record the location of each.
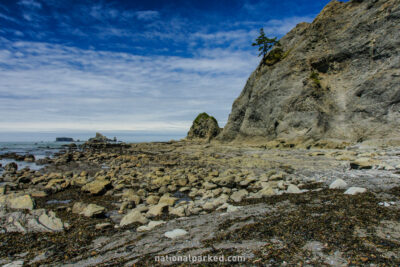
(125, 204)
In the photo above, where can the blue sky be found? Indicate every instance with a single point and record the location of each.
(131, 65)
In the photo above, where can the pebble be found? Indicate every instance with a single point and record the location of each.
(355, 190)
(338, 184)
(150, 226)
(101, 226)
(176, 233)
(292, 189)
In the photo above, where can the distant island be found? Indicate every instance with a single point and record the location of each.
(64, 139)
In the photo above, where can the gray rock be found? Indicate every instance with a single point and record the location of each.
(151, 225)
(102, 226)
(292, 189)
(19, 263)
(167, 200)
(134, 216)
(228, 207)
(326, 84)
(209, 186)
(156, 210)
(176, 233)
(265, 192)
(178, 211)
(239, 195)
(338, 184)
(355, 190)
(78, 207)
(51, 221)
(93, 210)
(21, 202)
(97, 187)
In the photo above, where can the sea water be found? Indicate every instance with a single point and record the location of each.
(43, 144)
(38, 149)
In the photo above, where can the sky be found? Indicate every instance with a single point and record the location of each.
(85, 65)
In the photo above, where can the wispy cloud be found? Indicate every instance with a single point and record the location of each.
(147, 15)
(3, 16)
(69, 68)
(52, 83)
(30, 4)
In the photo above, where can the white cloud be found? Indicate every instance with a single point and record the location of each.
(90, 90)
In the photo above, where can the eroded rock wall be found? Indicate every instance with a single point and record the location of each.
(338, 78)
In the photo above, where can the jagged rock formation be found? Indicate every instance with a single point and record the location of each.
(204, 127)
(101, 142)
(99, 138)
(64, 139)
(336, 78)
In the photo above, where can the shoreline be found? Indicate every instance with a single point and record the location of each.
(272, 205)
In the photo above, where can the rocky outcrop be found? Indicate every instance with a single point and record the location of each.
(64, 139)
(101, 142)
(204, 127)
(334, 79)
(99, 138)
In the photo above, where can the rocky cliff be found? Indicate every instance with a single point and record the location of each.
(336, 78)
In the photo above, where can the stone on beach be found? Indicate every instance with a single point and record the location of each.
(102, 226)
(134, 216)
(96, 187)
(239, 195)
(150, 226)
(265, 192)
(93, 210)
(176, 233)
(51, 221)
(167, 200)
(338, 184)
(355, 190)
(363, 164)
(156, 210)
(21, 202)
(292, 189)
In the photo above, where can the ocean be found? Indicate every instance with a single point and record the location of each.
(43, 144)
(38, 149)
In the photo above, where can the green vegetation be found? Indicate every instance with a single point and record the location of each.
(314, 76)
(265, 44)
(274, 56)
(203, 116)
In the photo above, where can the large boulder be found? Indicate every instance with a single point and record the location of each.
(204, 127)
(337, 79)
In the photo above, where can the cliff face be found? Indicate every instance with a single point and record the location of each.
(337, 78)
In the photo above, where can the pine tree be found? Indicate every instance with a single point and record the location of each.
(265, 44)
